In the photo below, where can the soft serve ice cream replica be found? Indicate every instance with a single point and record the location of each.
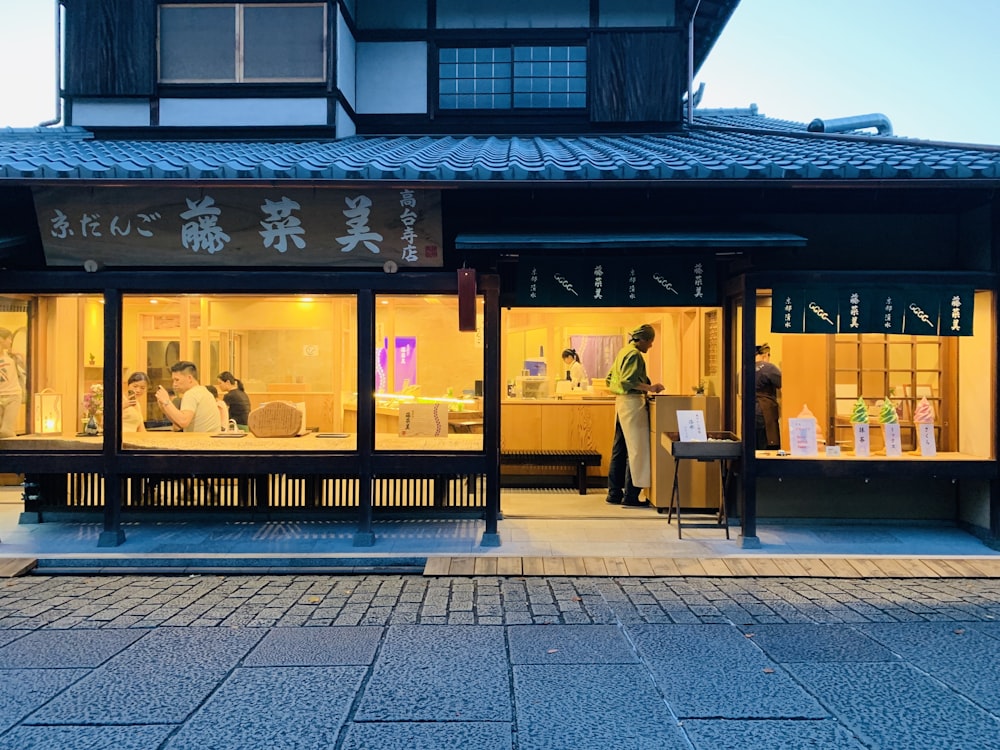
(923, 418)
(859, 420)
(890, 429)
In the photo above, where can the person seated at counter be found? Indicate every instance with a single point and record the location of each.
(576, 373)
(137, 386)
(197, 412)
(235, 396)
(221, 404)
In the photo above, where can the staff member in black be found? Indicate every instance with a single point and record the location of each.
(767, 382)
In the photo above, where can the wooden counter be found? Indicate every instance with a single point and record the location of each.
(202, 441)
(387, 419)
(699, 482)
(52, 443)
(559, 424)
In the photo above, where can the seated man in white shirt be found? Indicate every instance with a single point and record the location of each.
(197, 412)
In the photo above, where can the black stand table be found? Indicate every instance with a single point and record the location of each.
(723, 447)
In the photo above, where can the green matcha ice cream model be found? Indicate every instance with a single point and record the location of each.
(860, 413)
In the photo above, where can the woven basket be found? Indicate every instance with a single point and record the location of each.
(275, 419)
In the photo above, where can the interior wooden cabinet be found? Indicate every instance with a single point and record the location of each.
(904, 369)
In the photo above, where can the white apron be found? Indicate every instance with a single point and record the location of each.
(634, 419)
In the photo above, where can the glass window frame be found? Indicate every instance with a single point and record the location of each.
(240, 42)
(521, 77)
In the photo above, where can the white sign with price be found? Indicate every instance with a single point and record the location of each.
(926, 436)
(893, 441)
(802, 431)
(691, 426)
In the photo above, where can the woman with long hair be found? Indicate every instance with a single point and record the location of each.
(235, 396)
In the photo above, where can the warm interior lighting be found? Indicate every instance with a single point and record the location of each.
(448, 400)
(48, 412)
(394, 397)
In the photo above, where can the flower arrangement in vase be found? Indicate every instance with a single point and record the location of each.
(93, 408)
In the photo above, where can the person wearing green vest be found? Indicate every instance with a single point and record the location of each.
(629, 471)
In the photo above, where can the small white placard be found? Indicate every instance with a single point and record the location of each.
(862, 439)
(893, 442)
(691, 426)
(926, 437)
(833, 450)
(802, 431)
(423, 420)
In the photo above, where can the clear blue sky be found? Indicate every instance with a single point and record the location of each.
(931, 66)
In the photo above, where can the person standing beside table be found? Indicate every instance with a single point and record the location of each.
(197, 412)
(576, 373)
(630, 469)
(767, 383)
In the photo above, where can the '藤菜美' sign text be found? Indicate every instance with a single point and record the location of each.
(249, 227)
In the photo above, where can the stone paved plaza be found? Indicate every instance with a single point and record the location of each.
(404, 661)
(286, 601)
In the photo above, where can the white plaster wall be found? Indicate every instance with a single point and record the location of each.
(345, 126)
(111, 113)
(346, 53)
(242, 112)
(391, 78)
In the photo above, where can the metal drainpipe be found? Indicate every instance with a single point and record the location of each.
(58, 117)
(690, 107)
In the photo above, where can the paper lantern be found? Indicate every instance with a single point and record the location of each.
(48, 412)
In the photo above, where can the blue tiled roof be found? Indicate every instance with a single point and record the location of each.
(717, 147)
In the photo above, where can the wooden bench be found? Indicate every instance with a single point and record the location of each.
(580, 459)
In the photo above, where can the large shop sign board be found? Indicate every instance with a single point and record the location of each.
(674, 281)
(211, 227)
(909, 310)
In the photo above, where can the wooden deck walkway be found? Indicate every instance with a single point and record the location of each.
(717, 567)
(12, 567)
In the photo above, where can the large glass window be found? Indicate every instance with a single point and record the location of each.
(242, 43)
(827, 375)
(428, 376)
(301, 350)
(51, 372)
(539, 77)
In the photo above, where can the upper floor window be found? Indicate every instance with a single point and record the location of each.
(242, 43)
(513, 77)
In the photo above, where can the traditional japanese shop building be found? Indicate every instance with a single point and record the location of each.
(396, 215)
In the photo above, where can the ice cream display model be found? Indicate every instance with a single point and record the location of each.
(860, 413)
(924, 413)
(888, 413)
